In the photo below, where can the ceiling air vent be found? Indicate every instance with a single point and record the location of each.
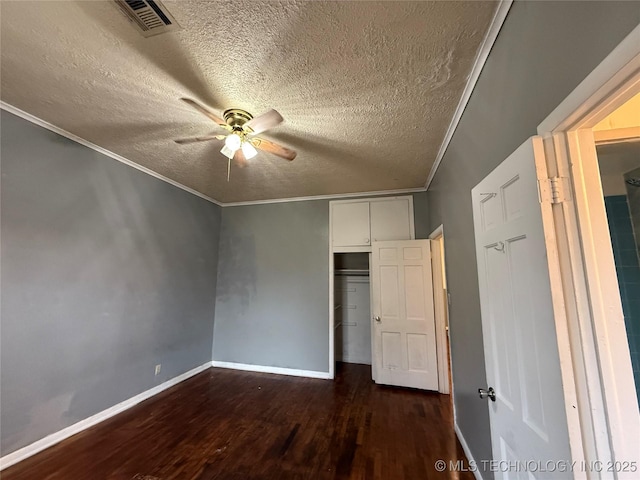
(151, 17)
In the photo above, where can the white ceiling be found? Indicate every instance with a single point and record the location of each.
(367, 89)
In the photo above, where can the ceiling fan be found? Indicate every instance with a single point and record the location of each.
(240, 143)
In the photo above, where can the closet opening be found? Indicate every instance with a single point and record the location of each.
(352, 308)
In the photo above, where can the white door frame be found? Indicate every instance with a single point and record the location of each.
(332, 360)
(404, 333)
(596, 366)
(440, 308)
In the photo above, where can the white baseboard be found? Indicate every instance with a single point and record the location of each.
(50, 440)
(276, 370)
(477, 473)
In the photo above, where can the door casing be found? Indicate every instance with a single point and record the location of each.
(441, 306)
(589, 322)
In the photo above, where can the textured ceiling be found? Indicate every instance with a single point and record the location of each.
(367, 89)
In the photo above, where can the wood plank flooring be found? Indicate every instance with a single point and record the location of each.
(231, 425)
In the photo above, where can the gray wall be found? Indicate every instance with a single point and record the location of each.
(545, 49)
(272, 305)
(106, 272)
(421, 215)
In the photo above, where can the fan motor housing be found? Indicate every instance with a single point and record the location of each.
(235, 117)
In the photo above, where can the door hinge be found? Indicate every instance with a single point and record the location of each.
(553, 190)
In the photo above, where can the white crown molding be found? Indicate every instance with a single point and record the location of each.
(104, 151)
(487, 44)
(277, 370)
(44, 124)
(333, 196)
(57, 437)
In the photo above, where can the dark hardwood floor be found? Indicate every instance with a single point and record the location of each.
(231, 425)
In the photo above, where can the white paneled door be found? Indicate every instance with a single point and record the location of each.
(526, 400)
(404, 344)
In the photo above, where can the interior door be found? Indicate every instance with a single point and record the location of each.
(404, 344)
(528, 417)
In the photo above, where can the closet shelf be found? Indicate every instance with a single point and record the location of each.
(352, 271)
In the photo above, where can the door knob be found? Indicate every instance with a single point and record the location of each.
(491, 393)
(377, 319)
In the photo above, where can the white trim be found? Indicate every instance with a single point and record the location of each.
(332, 353)
(607, 79)
(616, 135)
(276, 370)
(476, 472)
(356, 249)
(374, 368)
(333, 196)
(545, 169)
(44, 124)
(487, 44)
(436, 239)
(597, 357)
(479, 62)
(437, 233)
(599, 353)
(50, 440)
(367, 248)
(383, 199)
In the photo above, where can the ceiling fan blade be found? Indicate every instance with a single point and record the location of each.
(274, 148)
(240, 159)
(205, 111)
(264, 122)
(204, 138)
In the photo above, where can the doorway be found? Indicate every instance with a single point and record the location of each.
(603, 422)
(441, 310)
(387, 322)
(352, 308)
(617, 140)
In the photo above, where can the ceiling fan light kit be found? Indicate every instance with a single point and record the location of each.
(249, 150)
(233, 141)
(240, 143)
(228, 152)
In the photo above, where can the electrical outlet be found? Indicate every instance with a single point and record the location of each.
(158, 367)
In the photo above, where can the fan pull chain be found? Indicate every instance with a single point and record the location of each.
(228, 169)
